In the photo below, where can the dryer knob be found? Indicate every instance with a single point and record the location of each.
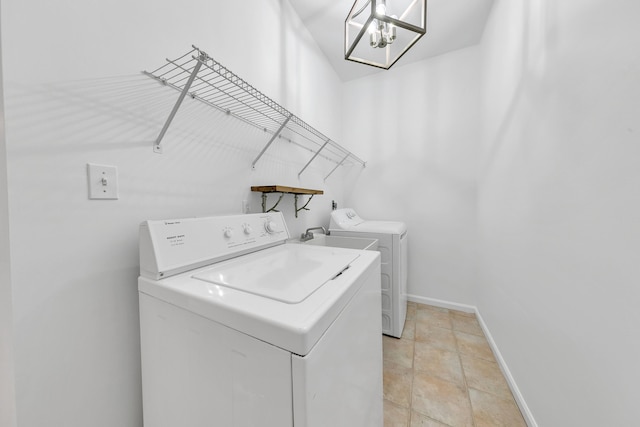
(271, 226)
(228, 232)
(350, 214)
(247, 229)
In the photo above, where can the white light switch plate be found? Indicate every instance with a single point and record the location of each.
(103, 181)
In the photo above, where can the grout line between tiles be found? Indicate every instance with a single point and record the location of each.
(464, 379)
(497, 360)
(519, 398)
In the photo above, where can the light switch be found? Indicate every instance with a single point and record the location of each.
(103, 181)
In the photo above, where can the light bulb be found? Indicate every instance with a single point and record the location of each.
(392, 34)
(373, 39)
(392, 30)
(373, 26)
(381, 9)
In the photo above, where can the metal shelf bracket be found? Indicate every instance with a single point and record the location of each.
(157, 148)
(303, 207)
(314, 156)
(273, 208)
(275, 135)
(337, 166)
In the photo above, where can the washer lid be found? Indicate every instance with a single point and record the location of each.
(289, 273)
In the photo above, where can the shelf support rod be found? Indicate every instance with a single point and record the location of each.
(157, 148)
(337, 166)
(275, 135)
(314, 156)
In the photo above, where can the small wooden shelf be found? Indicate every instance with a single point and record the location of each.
(266, 189)
(283, 189)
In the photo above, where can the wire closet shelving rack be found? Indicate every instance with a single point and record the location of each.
(203, 78)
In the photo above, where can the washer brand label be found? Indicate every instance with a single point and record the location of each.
(176, 240)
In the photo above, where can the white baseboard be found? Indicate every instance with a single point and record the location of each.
(526, 412)
(443, 304)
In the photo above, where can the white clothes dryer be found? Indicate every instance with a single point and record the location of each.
(241, 329)
(392, 244)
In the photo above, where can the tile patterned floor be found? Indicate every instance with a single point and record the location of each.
(442, 372)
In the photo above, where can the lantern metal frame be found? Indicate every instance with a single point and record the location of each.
(399, 23)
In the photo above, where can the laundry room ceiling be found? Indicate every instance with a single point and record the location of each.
(451, 25)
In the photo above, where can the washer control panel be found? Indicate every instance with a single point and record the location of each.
(251, 229)
(169, 247)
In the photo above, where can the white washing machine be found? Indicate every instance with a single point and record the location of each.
(392, 244)
(240, 329)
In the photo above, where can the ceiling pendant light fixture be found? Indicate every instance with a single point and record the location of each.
(379, 32)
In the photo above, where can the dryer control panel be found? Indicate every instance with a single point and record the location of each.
(344, 219)
(169, 247)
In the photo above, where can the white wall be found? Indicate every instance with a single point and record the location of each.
(74, 94)
(519, 158)
(418, 127)
(7, 390)
(559, 205)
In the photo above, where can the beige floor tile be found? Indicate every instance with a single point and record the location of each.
(438, 362)
(437, 337)
(398, 351)
(441, 400)
(397, 384)
(409, 331)
(466, 323)
(394, 415)
(430, 317)
(492, 411)
(419, 420)
(427, 372)
(411, 310)
(486, 376)
(474, 346)
(431, 307)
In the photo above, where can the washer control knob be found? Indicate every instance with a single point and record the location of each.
(247, 229)
(228, 232)
(350, 214)
(271, 226)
